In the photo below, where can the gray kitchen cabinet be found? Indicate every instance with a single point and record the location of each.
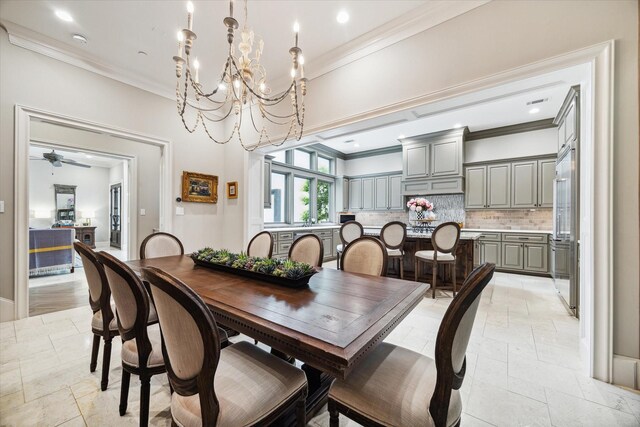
(499, 186)
(490, 252)
(476, 253)
(381, 193)
(475, 187)
(446, 157)
(355, 194)
(416, 161)
(571, 122)
(327, 243)
(345, 194)
(560, 257)
(546, 176)
(267, 182)
(524, 184)
(535, 257)
(512, 255)
(561, 136)
(395, 192)
(368, 193)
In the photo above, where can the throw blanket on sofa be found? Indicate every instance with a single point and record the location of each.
(50, 250)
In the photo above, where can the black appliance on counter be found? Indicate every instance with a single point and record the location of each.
(346, 216)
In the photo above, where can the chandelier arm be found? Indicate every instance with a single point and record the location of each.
(197, 107)
(220, 119)
(277, 99)
(206, 130)
(195, 87)
(275, 116)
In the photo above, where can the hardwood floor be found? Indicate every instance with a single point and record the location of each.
(57, 297)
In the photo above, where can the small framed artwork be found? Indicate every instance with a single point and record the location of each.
(232, 190)
(200, 188)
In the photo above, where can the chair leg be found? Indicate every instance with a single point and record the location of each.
(415, 269)
(401, 268)
(145, 391)
(334, 416)
(338, 260)
(94, 353)
(124, 391)
(301, 412)
(453, 277)
(106, 361)
(435, 276)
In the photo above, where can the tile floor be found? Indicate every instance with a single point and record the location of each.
(524, 367)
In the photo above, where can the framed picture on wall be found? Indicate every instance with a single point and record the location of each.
(200, 188)
(232, 190)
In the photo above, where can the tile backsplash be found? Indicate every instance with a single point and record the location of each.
(448, 207)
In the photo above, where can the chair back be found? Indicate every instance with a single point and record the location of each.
(393, 234)
(308, 249)
(366, 255)
(99, 293)
(160, 244)
(350, 231)
(261, 245)
(445, 237)
(453, 338)
(191, 343)
(132, 303)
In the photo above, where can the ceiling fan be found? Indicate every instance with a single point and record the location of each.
(58, 159)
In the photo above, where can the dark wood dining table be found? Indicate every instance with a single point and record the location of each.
(330, 325)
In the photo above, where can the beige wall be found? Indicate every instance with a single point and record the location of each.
(499, 36)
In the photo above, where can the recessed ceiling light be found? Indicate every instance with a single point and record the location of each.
(457, 126)
(534, 111)
(88, 156)
(348, 141)
(356, 145)
(343, 17)
(401, 136)
(79, 38)
(64, 15)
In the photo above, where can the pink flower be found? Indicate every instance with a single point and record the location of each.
(413, 207)
(419, 209)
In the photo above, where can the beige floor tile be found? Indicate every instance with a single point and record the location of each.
(50, 410)
(10, 382)
(545, 375)
(76, 422)
(567, 410)
(11, 400)
(491, 371)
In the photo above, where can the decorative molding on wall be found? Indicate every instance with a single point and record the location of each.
(626, 371)
(328, 150)
(510, 130)
(7, 310)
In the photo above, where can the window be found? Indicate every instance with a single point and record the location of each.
(277, 212)
(324, 164)
(280, 156)
(301, 199)
(302, 159)
(323, 198)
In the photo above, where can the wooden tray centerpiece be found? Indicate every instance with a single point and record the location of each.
(279, 271)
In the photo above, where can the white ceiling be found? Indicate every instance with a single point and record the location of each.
(117, 30)
(78, 156)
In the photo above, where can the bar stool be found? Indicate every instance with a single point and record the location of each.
(445, 240)
(350, 231)
(393, 235)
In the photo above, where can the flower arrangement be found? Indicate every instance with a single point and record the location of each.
(283, 268)
(419, 205)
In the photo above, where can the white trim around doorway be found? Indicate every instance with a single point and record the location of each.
(23, 117)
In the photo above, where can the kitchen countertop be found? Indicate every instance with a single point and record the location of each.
(300, 228)
(493, 230)
(371, 231)
(409, 233)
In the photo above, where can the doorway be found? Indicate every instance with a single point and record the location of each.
(115, 236)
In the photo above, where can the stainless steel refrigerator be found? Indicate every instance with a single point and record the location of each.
(565, 243)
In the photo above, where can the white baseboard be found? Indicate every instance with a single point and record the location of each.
(7, 310)
(626, 371)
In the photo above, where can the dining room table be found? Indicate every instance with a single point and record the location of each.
(329, 325)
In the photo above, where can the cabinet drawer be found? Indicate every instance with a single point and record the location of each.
(323, 233)
(285, 235)
(533, 238)
(490, 236)
(283, 247)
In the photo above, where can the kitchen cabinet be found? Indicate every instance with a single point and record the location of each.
(568, 122)
(499, 186)
(345, 194)
(524, 184)
(395, 192)
(546, 177)
(355, 194)
(560, 257)
(490, 252)
(536, 257)
(512, 255)
(416, 161)
(435, 155)
(446, 158)
(368, 194)
(381, 193)
(475, 187)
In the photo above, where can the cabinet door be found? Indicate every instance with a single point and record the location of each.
(445, 158)
(570, 121)
(561, 136)
(535, 257)
(395, 192)
(327, 243)
(476, 253)
(345, 194)
(512, 255)
(355, 193)
(475, 187)
(416, 161)
(560, 259)
(368, 193)
(499, 185)
(490, 252)
(267, 185)
(524, 184)
(381, 193)
(546, 175)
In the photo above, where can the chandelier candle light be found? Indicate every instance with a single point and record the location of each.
(242, 83)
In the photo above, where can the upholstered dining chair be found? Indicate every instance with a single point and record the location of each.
(308, 249)
(240, 385)
(261, 245)
(445, 240)
(393, 235)
(103, 322)
(365, 255)
(160, 244)
(141, 346)
(349, 231)
(394, 386)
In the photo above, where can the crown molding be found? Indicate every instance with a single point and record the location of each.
(511, 129)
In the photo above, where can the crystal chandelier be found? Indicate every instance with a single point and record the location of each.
(242, 87)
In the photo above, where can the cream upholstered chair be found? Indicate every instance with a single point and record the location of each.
(141, 346)
(240, 385)
(307, 249)
(103, 322)
(160, 244)
(366, 255)
(393, 235)
(261, 245)
(349, 231)
(445, 241)
(394, 386)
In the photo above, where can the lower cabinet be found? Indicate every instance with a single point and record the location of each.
(512, 256)
(536, 257)
(528, 253)
(284, 239)
(490, 252)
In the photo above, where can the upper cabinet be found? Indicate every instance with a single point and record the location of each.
(395, 192)
(546, 176)
(368, 193)
(355, 193)
(446, 157)
(380, 192)
(416, 161)
(524, 184)
(499, 186)
(567, 120)
(476, 187)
